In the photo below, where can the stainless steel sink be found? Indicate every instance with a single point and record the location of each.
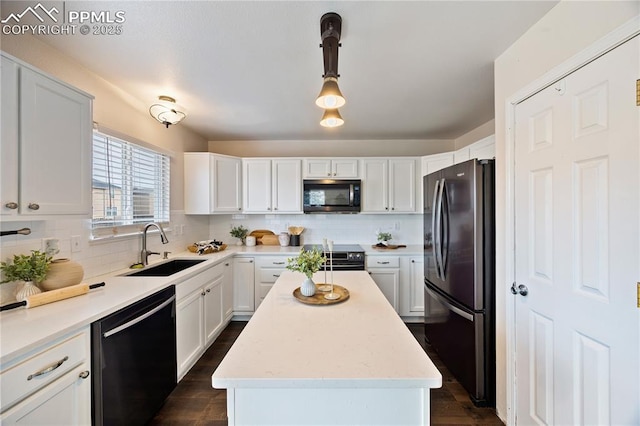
(166, 269)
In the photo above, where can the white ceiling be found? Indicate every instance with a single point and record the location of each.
(252, 69)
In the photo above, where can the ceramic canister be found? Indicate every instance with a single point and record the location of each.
(62, 273)
(250, 241)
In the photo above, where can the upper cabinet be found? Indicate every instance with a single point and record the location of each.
(389, 185)
(433, 163)
(335, 168)
(212, 183)
(482, 150)
(49, 125)
(272, 185)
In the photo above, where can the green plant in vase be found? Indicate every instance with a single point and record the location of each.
(308, 262)
(384, 237)
(31, 269)
(239, 232)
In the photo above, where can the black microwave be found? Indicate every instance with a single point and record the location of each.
(331, 196)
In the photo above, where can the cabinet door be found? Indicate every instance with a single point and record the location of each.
(227, 291)
(9, 134)
(461, 155)
(402, 185)
(345, 168)
(227, 184)
(375, 186)
(317, 168)
(189, 330)
(256, 184)
(213, 315)
(67, 401)
(416, 285)
(388, 280)
(287, 186)
(55, 147)
(243, 285)
(483, 149)
(433, 163)
(198, 183)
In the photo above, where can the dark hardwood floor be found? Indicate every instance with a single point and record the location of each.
(195, 402)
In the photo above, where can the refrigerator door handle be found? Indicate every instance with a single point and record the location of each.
(444, 244)
(463, 314)
(434, 242)
(438, 225)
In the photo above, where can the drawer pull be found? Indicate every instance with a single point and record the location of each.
(34, 206)
(278, 263)
(48, 369)
(277, 276)
(84, 374)
(383, 263)
(11, 205)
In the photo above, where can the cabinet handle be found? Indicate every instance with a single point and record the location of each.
(84, 374)
(278, 263)
(268, 208)
(239, 208)
(203, 293)
(413, 261)
(393, 208)
(251, 261)
(329, 174)
(382, 263)
(277, 276)
(11, 205)
(226, 264)
(386, 208)
(34, 206)
(48, 369)
(335, 174)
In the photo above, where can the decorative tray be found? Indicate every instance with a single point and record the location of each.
(194, 249)
(388, 246)
(318, 298)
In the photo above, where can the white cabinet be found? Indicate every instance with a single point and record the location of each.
(227, 291)
(272, 185)
(268, 270)
(243, 285)
(482, 150)
(385, 271)
(322, 168)
(49, 385)
(199, 315)
(49, 124)
(433, 163)
(389, 185)
(212, 183)
(412, 286)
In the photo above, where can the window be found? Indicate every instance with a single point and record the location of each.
(130, 186)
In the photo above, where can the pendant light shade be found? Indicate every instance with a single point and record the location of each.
(331, 118)
(330, 96)
(166, 111)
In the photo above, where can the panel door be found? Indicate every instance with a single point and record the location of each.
(55, 147)
(317, 168)
(227, 196)
(345, 168)
(256, 185)
(577, 246)
(402, 185)
(375, 186)
(243, 285)
(213, 315)
(287, 186)
(227, 291)
(10, 138)
(416, 286)
(189, 331)
(388, 280)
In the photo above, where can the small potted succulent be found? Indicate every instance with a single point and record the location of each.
(384, 237)
(239, 232)
(31, 269)
(308, 262)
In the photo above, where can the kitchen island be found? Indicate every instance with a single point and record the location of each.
(348, 363)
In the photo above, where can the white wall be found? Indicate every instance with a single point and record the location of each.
(566, 30)
(116, 110)
(480, 132)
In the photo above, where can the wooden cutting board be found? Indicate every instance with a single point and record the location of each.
(270, 240)
(259, 233)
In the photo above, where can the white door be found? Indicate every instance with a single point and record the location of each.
(256, 184)
(577, 247)
(287, 186)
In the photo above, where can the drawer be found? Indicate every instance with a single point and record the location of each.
(273, 261)
(269, 275)
(43, 367)
(383, 262)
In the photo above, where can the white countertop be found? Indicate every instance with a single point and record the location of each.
(360, 343)
(22, 330)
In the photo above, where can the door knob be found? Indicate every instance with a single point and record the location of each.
(522, 289)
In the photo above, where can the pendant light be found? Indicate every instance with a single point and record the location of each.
(166, 111)
(330, 97)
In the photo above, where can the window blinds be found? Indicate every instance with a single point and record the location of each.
(130, 184)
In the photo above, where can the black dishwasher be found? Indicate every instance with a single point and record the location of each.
(134, 360)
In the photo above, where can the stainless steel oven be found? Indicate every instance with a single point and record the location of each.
(331, 196)
(346, 257)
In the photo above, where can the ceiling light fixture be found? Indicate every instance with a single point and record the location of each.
(330, 97)
(331, 118)
(166, 111)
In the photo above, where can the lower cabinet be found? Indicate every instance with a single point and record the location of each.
(268, 270)
(199, 315)
(412, 288)
(385, 271)
(50, 385)
(243, 285)
(227, 291)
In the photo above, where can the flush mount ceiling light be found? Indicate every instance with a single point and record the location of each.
(330, 97)
(331, 118)
(166, 111)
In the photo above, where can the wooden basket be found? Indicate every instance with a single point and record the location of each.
(194, 249)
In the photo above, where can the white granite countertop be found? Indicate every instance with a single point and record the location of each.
(22, 330)
(360, 343)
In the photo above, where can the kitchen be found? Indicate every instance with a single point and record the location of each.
(524, 62)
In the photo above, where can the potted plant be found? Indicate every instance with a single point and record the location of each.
(384, 237)
(239, 232)
(31, 269)
(308, 262)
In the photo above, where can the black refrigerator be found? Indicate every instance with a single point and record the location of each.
(459, 270)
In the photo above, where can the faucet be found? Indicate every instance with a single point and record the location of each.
(144, 254)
